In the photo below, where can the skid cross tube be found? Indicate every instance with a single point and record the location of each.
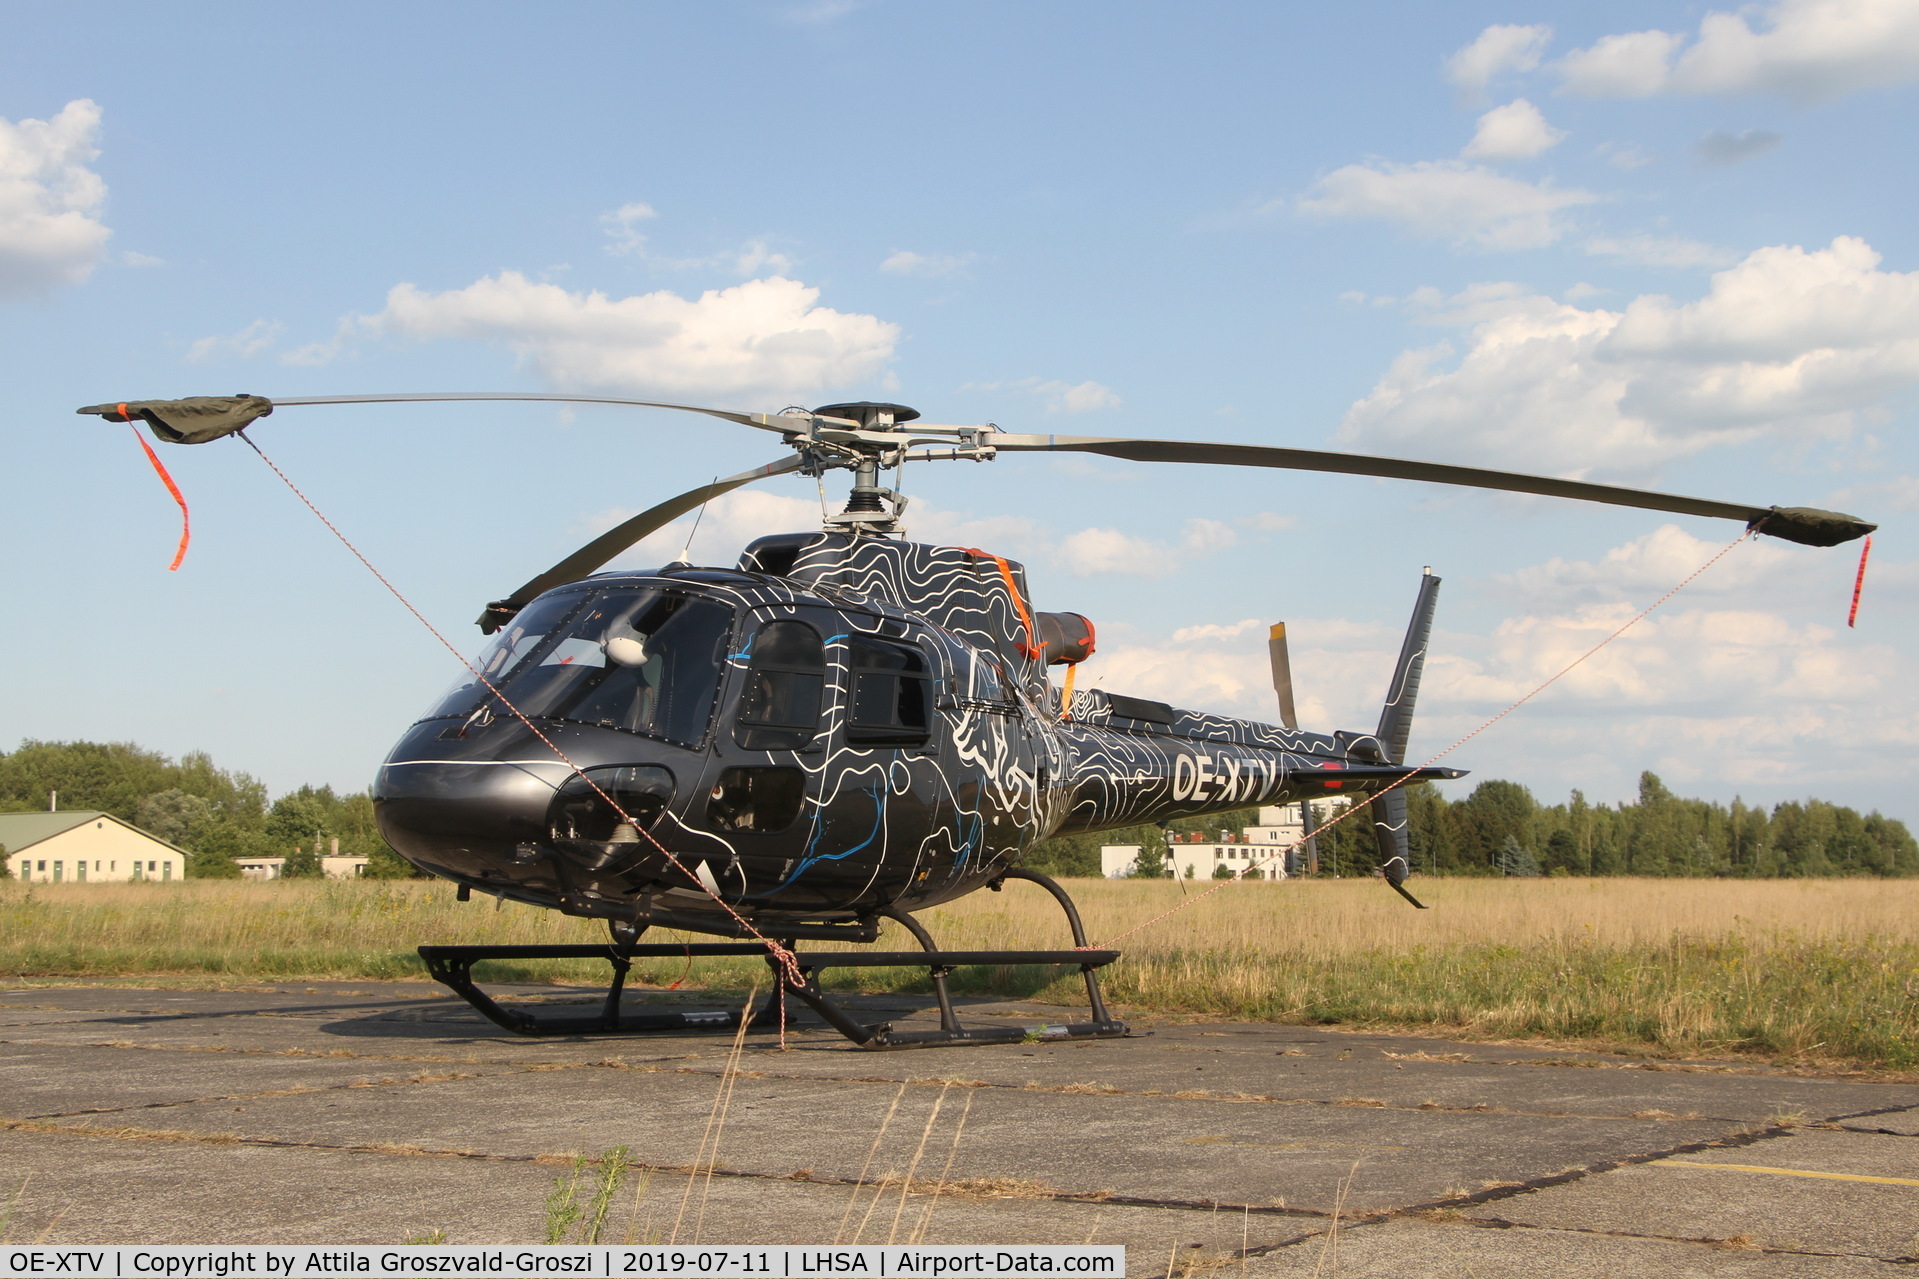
(452, 966)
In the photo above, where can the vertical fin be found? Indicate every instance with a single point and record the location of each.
(1396, 719)
(1391, 824)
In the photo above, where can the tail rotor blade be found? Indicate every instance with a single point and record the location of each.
(1282, 675)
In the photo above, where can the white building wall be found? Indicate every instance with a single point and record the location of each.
(102, 851)
(1273, 841)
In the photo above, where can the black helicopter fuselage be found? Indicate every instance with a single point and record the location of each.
(844, 724)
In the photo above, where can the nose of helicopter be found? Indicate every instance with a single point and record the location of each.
(462, 804)
(458, 807)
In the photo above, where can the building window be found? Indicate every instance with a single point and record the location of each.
(152, 866)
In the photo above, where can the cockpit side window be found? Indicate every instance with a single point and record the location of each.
(891, 694)
(785, 675)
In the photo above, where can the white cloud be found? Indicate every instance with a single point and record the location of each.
(1061, 397)
(1516, 131)
(1786, 339)
(1623, 156)
(907, 262)
(1622, 66)
(724, 528)
(731, 522)
(624, 239)
(1658, 250)
(1213, 631)
(1808, 50)
(761, 338)
(1077, 397)
(1498, 49)
(130, 258)
(1720, 147)
(250, 341)
(622, 228)
(1900, 493)
(1467, 204)
(1733, 685)
(1094, 551)
(50, 233)
(750, 259)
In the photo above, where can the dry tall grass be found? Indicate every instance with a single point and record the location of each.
(1788, 968)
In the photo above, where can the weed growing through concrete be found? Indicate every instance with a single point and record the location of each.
(563, 1202)
(573, 1209)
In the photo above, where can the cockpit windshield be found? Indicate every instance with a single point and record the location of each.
(638, 659)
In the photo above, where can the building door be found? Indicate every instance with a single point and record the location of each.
(166, 869)
(59, 871)
(82, 876)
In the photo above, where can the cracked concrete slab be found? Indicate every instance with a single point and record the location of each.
(1150, 1147)
(1905, 1123)
(1140, 1141)
(38, 1081)
(1408, 1249)
(108, 1190)
(1774, 1209)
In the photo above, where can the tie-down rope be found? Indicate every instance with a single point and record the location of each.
(785, 957)
(781, 954)
(1367, 804)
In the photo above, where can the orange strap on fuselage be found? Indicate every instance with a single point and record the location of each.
(1031, 647)
(186, 520)
(1066, 692)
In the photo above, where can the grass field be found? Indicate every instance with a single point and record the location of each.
(1792, 970)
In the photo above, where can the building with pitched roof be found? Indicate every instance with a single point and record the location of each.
(85, 847)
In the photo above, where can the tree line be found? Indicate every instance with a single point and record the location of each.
(1500, 828)
(214, 814)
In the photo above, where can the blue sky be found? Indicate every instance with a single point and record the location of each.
(1653, 244)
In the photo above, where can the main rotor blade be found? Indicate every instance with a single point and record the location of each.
(201, 419)
(1796, 524)
(761, 421)
(610, 543)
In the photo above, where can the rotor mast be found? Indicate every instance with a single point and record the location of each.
(870, 508)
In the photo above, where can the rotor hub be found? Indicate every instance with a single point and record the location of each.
(870, 414)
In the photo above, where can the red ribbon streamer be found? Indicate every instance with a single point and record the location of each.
(1859, 581)
(186, 520)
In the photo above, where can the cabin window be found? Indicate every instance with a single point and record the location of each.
(765, 800)
(891, 694)
(639, 660)
(785, 675)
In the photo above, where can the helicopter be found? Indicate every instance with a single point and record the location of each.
(843, 728)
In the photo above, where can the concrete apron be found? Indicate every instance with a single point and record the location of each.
(374, 1112)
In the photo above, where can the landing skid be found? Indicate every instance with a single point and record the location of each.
(452, 966)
